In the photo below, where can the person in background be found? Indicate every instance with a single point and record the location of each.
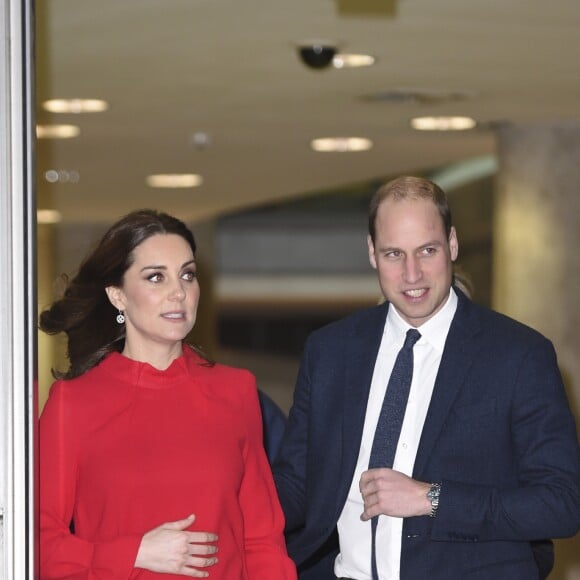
(273, 423)
(151, 450)
(429, 437)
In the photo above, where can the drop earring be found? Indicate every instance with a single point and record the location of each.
(120, 317)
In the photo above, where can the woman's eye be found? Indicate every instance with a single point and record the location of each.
(157, 277)
(189, 276)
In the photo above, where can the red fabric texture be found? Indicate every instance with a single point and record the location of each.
(125, 448)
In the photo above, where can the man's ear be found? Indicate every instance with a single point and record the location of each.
(115, 296)
(372, 258)
(453, 244)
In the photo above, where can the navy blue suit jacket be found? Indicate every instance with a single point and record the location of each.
(499, 436)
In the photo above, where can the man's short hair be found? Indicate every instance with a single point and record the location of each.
(408, 187)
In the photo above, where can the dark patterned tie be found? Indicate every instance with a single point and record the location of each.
(390, 421)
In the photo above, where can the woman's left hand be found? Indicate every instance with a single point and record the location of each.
(170, 549)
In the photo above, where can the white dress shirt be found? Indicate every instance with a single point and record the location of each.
(354, 558)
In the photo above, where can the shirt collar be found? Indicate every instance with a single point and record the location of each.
(434, 331)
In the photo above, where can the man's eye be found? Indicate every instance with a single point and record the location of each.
(393, 254)
(429, 250)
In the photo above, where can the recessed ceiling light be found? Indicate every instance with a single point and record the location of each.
(48, 216)
(443, 123)
(61, 175)
(75, 105)
(174, 180)
(57, 131)
(352, 60)
(341, 144)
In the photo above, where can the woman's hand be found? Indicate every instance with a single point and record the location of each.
(170, 549)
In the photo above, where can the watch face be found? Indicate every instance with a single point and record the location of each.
(433, 493)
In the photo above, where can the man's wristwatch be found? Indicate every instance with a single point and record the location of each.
(433, 496)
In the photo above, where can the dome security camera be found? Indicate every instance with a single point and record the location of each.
(317, 56)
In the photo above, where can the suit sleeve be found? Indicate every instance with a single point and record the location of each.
(264, 545)
(545, 501)
(290, 465)
(62, 554)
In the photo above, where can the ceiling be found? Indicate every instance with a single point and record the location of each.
(171, 68)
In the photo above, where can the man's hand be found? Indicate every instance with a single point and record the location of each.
(393, 493)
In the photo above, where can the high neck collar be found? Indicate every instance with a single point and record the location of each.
(143, 375)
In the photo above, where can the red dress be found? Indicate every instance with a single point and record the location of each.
(125, 448)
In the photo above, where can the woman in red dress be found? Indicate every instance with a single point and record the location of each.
(151, 456)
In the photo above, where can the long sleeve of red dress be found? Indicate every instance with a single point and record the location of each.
(125, 448)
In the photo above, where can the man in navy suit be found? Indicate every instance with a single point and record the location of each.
(487, 465)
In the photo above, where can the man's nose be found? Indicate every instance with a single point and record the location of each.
(412, 270)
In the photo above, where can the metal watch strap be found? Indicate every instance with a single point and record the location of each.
(433, 496)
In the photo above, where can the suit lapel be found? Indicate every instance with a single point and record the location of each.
(458, 355)
(361, 353)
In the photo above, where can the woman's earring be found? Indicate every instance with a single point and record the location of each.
(120, 317)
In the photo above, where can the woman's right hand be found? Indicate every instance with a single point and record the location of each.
(170, 549)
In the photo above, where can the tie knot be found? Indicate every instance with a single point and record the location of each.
(413, 335)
